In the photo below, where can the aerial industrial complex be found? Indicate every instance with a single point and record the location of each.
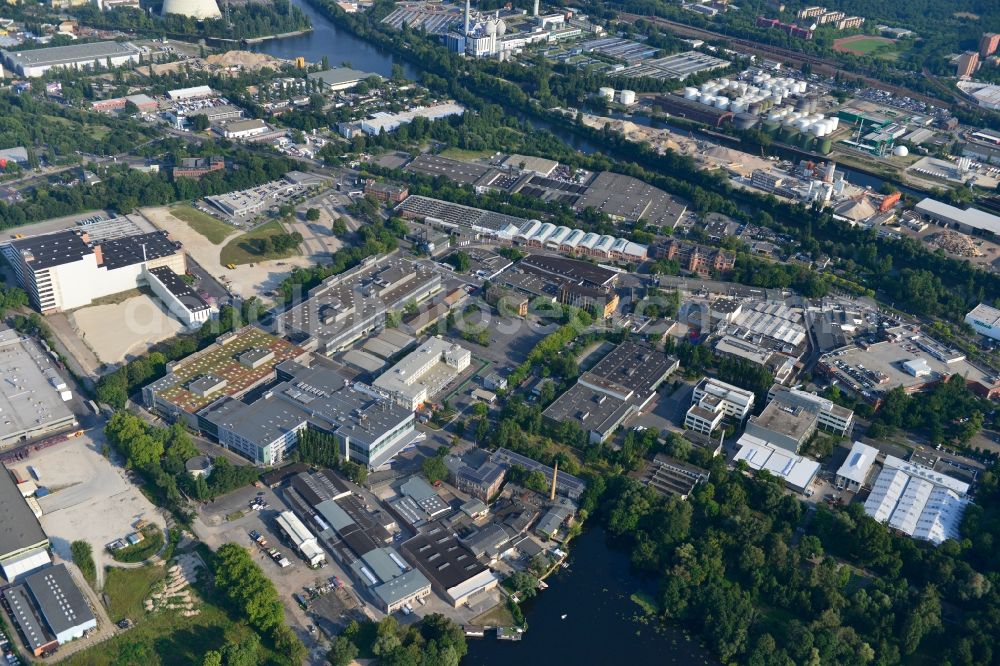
(738, 303)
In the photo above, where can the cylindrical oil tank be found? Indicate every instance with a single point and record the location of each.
(627, 97)
(606, 92)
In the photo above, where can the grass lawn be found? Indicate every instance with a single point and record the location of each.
(165, 638)
(498, 616)
(127, 588)
(143, 550)
(98, 132)
(214, 230)
(467, 155)
(241, 250)
(864, 46)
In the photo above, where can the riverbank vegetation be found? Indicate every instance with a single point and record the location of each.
(434, 641)
(245, 21)
(765, 578)
(768, 582)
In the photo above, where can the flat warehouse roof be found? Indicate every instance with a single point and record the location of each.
(970, 217)
(340, 75)
(19, 529)
(439, 554)
(58, 55)
(28, 399)
(179, 288)
(54, 249)
(634, 366)
(60, 600)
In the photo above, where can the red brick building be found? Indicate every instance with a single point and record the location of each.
(698, 259)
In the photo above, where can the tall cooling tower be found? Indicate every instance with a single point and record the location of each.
(199, 9)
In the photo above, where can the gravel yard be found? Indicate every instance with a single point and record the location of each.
(91, 498)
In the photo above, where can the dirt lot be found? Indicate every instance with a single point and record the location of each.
(114, 332)
(91, 498)
(989, 260)
(317, 237)
(245, 281)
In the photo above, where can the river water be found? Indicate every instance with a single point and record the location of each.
(602, 624)
(338, 45)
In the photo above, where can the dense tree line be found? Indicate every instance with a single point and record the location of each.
(83, 558)
(949, 412)
(254, 597)
(59, 132)
(434, 641)
(321, 449)
(697, 359)
(160, 454)
(123, 189)
(739, 564)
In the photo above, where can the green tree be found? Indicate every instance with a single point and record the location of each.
(342, 651)
(312, 214)
(434, 469)
(212, 658)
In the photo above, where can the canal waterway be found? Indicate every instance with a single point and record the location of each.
(602, 624)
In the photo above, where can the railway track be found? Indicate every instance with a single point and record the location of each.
(819, 64)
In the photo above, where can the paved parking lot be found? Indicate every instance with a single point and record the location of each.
(85, 485)
(212, 527)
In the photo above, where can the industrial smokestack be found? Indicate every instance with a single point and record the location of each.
(536, 9)
(555, 477)
(468, 11)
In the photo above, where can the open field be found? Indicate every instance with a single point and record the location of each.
(127, 588)
(863, 44)
(245, 281)
(164, 637)
(242, 249)
(214, 230)
(466, 155)
(116, 331)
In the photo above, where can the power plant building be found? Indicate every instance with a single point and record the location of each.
(198, 9)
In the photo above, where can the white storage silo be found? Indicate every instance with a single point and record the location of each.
(606, 92)
(722, 102)
(707, 98)
(690, 93)
(627, 97)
